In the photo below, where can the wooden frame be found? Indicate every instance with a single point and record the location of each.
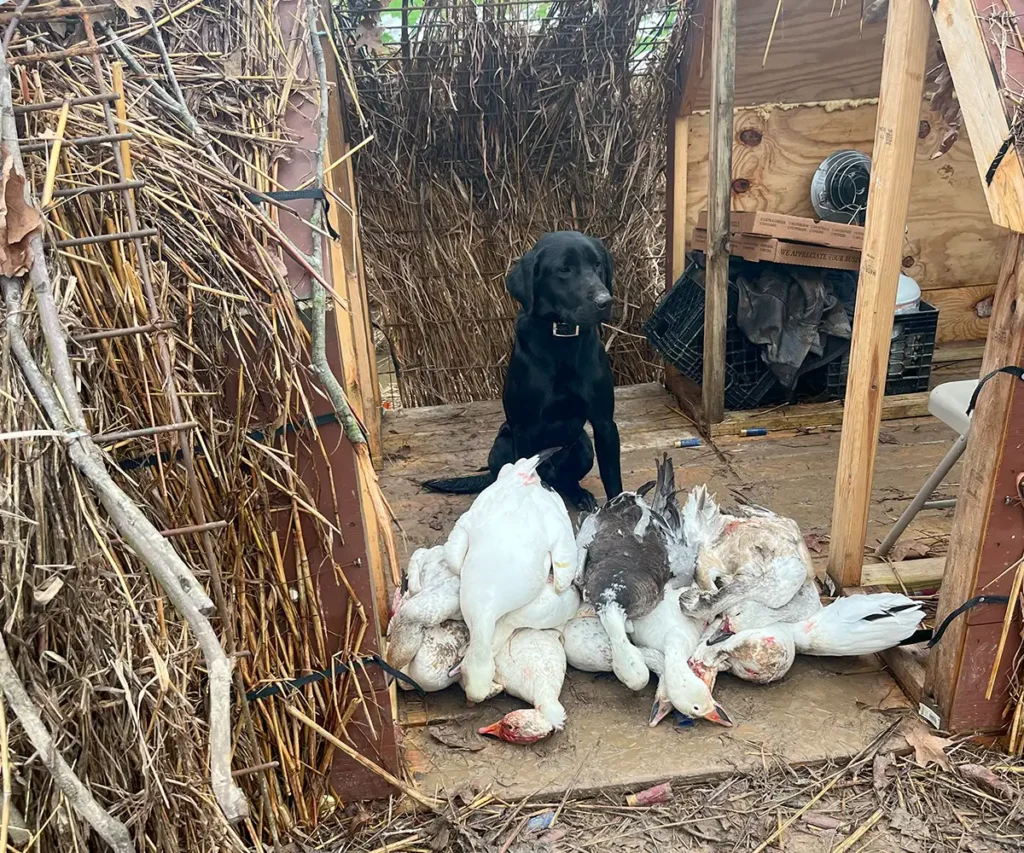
(903, 68)
(985, 543)
(716, 271)
(687, 392)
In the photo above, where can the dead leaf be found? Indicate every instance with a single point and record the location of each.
(457, 738)
(18, 222)
(878, 770)
(912, 550)
(907, 824)
(987, 779)
(233, 64)
(814, 540)
(46, 594)
(369, 35)
(132, 6)
(820, 821)
(928, 749)
(440, 839)
(887, 438)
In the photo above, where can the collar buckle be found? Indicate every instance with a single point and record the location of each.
(565, 330)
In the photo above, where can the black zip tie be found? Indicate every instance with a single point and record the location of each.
(997, 161)
(933, 637)
(336, 668)
(1011, 369)
(314, 193)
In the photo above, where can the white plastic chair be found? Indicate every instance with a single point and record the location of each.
(947, 402)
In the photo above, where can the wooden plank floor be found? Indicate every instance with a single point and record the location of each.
(825, 709)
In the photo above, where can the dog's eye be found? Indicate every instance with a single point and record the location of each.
(565, 269)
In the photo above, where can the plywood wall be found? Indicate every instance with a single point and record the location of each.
(814, 96)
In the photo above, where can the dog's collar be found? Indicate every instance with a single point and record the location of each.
(565, 330)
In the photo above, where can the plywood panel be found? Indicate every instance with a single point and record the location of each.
(958, 312)
(951, 241)
(815, 55)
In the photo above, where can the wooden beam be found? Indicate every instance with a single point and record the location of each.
(675, 203)
(978, 67)
(810, 415)
(359, 359)
(913, 576)
(716, 278)
(899, 102)
(985, 539)
(687, 393)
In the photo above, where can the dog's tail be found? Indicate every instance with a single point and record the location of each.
(459, 485)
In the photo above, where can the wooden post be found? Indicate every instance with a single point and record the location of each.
(359, 375)
(985, 540)
(687, 393)
(716, 278)
(675, 192)
(892, 165)
(983, 71)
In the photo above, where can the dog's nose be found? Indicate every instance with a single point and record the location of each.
(603, 299)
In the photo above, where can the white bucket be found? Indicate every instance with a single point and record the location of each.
(908, 295)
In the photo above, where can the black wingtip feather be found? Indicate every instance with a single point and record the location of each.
(459, 485)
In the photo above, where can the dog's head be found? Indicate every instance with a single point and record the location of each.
(566, 277)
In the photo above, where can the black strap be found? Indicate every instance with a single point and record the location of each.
(998, 159)
(315, 193)
(933, 637)
(1011, 369)
(335, 669)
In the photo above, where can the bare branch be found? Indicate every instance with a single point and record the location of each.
(177, 581)
(108, 828)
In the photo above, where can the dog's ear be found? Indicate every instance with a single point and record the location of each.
(519, 282)
(606, 258)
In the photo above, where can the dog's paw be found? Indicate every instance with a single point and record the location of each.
(585, 502)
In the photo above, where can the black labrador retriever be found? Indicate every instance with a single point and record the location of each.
(558, 377)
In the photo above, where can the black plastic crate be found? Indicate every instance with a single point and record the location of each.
(676, 330)
(910, 355)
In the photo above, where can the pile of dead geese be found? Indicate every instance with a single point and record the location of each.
(514, 596)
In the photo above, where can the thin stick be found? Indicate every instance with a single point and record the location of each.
(858, 833)
(321, 366)
(778, 832)
(153, 550)
(408, 790)
(108, 828)
(51, 169)
(1011, 609)
(339, 161)
(771, 33)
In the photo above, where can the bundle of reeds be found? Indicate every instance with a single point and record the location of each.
(112, 667)
(492, 124)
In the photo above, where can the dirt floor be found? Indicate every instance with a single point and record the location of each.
(881, 799)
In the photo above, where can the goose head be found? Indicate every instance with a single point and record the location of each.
(522, 727)
(689, 695)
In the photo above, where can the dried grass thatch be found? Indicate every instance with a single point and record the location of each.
(112, 667)
(492, 124)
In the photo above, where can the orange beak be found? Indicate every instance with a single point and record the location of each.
(494, 729)
(719, 716)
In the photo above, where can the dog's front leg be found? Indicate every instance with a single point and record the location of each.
(606, 445)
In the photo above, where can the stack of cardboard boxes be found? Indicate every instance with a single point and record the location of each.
(784, 239)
